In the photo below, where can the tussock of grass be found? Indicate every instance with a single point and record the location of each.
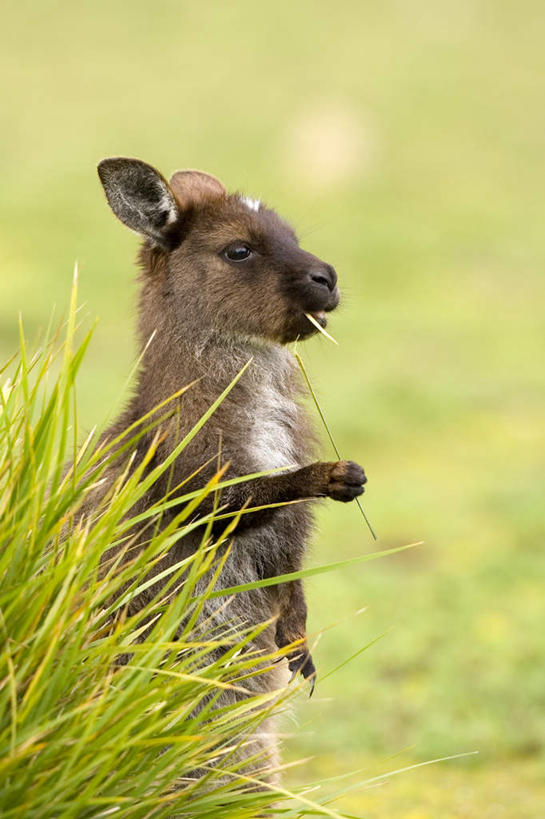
(104, 710)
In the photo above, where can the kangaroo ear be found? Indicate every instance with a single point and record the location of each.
(141, 198)
(195, 188)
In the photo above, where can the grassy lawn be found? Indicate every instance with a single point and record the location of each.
(455, 790)
(405, 143)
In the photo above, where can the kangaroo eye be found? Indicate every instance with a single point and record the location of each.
(237, 252)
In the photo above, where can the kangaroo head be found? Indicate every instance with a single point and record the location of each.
(226, 257)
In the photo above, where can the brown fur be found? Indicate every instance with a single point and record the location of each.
(208, 316)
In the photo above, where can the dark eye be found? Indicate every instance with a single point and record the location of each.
(237, 252)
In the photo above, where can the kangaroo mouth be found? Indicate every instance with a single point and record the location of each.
(320, 317)
(304, 324)
(309, 319)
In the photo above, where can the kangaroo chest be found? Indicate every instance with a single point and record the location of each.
(273, 426)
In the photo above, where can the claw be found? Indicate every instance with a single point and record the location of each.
(303, 663)
(310, 677)
(312, 684)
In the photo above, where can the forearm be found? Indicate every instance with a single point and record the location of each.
(341, 480)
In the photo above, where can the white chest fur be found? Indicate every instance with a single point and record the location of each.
(274, 418)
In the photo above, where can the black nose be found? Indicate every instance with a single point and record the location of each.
(324, 276)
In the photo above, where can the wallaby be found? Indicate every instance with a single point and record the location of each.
(223, 280)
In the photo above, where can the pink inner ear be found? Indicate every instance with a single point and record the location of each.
(195, 188)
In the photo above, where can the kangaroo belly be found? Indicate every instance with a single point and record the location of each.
(278, 546)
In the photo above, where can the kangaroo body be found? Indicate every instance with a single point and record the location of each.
(223, 282)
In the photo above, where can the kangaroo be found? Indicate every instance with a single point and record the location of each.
(223, 280)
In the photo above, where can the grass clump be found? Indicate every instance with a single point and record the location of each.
(104, 709)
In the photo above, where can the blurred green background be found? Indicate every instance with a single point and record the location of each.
(405, 141)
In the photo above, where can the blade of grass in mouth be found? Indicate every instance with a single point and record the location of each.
(320, 328)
